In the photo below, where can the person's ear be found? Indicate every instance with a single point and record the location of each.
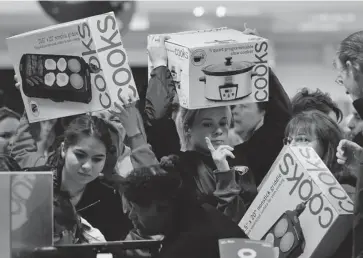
(352, 67)
(62, 151)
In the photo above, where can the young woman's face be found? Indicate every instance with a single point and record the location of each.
(8, 127)
(212, 123)
(305, 139)
(85, 160)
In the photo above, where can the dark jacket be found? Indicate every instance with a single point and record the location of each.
(230, 192)
(197, 231)
(261, 150)
(100, 205)
(358, 203)
(159, 126)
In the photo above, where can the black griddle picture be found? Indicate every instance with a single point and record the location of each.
(56, 77)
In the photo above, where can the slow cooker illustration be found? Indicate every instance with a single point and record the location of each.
(228, 81)
(176, 74)
(56, 77)
(287, 233)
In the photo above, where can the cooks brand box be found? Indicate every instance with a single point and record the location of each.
(72, 68)
(26, 219)
(218, 67)
(297, 177)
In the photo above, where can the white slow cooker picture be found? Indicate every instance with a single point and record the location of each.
(228, 81)
(176, 74)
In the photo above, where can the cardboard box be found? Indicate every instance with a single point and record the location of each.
(298, 175)
(218, 67)
(244, 248)
(26, 219)
(72, 68)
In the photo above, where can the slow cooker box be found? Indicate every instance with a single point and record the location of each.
(218, 67)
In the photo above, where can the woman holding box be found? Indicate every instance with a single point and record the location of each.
(319, 131)
(316, 129)
(84, 165)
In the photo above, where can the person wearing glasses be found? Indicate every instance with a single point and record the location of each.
(318, 130)
(349, 66)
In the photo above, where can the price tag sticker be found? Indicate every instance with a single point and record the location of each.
(104, 255)
(245, 248)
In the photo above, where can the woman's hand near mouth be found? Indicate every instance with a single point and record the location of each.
(220, 154)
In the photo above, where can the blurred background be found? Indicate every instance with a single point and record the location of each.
(303, 35)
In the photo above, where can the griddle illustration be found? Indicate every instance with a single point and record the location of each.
(288, 234)
(57, 77)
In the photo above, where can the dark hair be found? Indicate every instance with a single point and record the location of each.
(327, 131)
(306, 100)
(64, 212)
(85, 125)
(66, 215)
(7, 163)
(6, 112)
(147, 184)
(59, 127)
(351, 49)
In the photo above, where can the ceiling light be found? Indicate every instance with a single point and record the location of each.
(198, 11)
(221, 11)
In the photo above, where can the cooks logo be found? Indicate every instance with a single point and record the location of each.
(198, 57)
(302, 185)
(261, 70)
(116, 58)
(181, 53)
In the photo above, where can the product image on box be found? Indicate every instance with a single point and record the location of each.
(287, 233)
(56, 77)
(176, 73)
(227, 81)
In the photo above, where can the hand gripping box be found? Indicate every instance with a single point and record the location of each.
(26, 214)
(218, 67)
(72, 68)
(298, 176)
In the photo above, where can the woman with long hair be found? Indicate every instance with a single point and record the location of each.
(83, 166)
(319, 131)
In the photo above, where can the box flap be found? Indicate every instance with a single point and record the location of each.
(212, 37)
(56, 26)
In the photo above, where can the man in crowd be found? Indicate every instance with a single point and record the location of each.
(355, 126)
(349, 64)
(157, 204)
(306, 100)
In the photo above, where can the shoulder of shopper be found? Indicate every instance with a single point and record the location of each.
(279, 108)
(198, 232)
(159, 95)
(24, 148)
(101, 206)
